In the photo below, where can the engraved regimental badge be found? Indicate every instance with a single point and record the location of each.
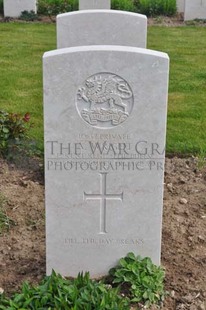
(105, 100)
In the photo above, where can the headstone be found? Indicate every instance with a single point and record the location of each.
(94, 4)
(195, 9)
(101, 27)
(105, 122)
(180, 6)
(14, 8)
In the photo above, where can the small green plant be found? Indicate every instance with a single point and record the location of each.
(28, 16)
(55, 292)
(124, 5)
(13, 130)
(5, 221)
(158, 19)
(201, 159)
(1, 7)
(140, 279)
(54, 7)
(143, 278)
(156, 7)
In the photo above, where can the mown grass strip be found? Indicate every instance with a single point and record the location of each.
(23, 44)
(186, 46)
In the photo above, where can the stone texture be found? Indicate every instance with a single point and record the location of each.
(101, 27)
(180, 6)
(13, 8)
(195, 9)
(104, 155)
(94, 4)
(183, 201)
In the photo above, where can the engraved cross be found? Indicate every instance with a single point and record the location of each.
(103, 197)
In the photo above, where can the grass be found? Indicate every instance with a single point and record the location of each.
(23, 44)
(21, 49)
(144, 285)
(5, 221)
(186, 127)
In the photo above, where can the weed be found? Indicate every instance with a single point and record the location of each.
(145, 280)
(13, 130)
(54, 7)
(28, 16)
(1, 7)
(156, 7)
(158, 19)
(201, 161)
(195, 22)
(5, 221)
(55, 292)
(124, 5)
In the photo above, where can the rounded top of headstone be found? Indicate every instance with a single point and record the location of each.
(103, 12)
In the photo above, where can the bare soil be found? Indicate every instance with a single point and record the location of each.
(174, 21)
(22, 248)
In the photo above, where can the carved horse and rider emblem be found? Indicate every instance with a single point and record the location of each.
(105, 98)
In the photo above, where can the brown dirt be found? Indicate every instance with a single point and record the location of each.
(184, 234)
(174, 21)
(22, 249)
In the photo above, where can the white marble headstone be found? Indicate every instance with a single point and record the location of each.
(101, 27)
(180, 6)
(14, 8)
(105, 125)
(94, 4)
(195, 9)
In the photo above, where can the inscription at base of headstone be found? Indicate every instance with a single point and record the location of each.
(94, 4)
(101, 27)
(103, 175)
(14, 8)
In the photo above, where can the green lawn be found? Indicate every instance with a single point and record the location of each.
(22, 46)
(186, 46)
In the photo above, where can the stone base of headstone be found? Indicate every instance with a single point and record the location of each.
(14, 8)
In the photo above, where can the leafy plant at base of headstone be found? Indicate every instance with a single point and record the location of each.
(5, 221)
(13, 130)
(28, 16)
(56, 292)
(142, 277)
